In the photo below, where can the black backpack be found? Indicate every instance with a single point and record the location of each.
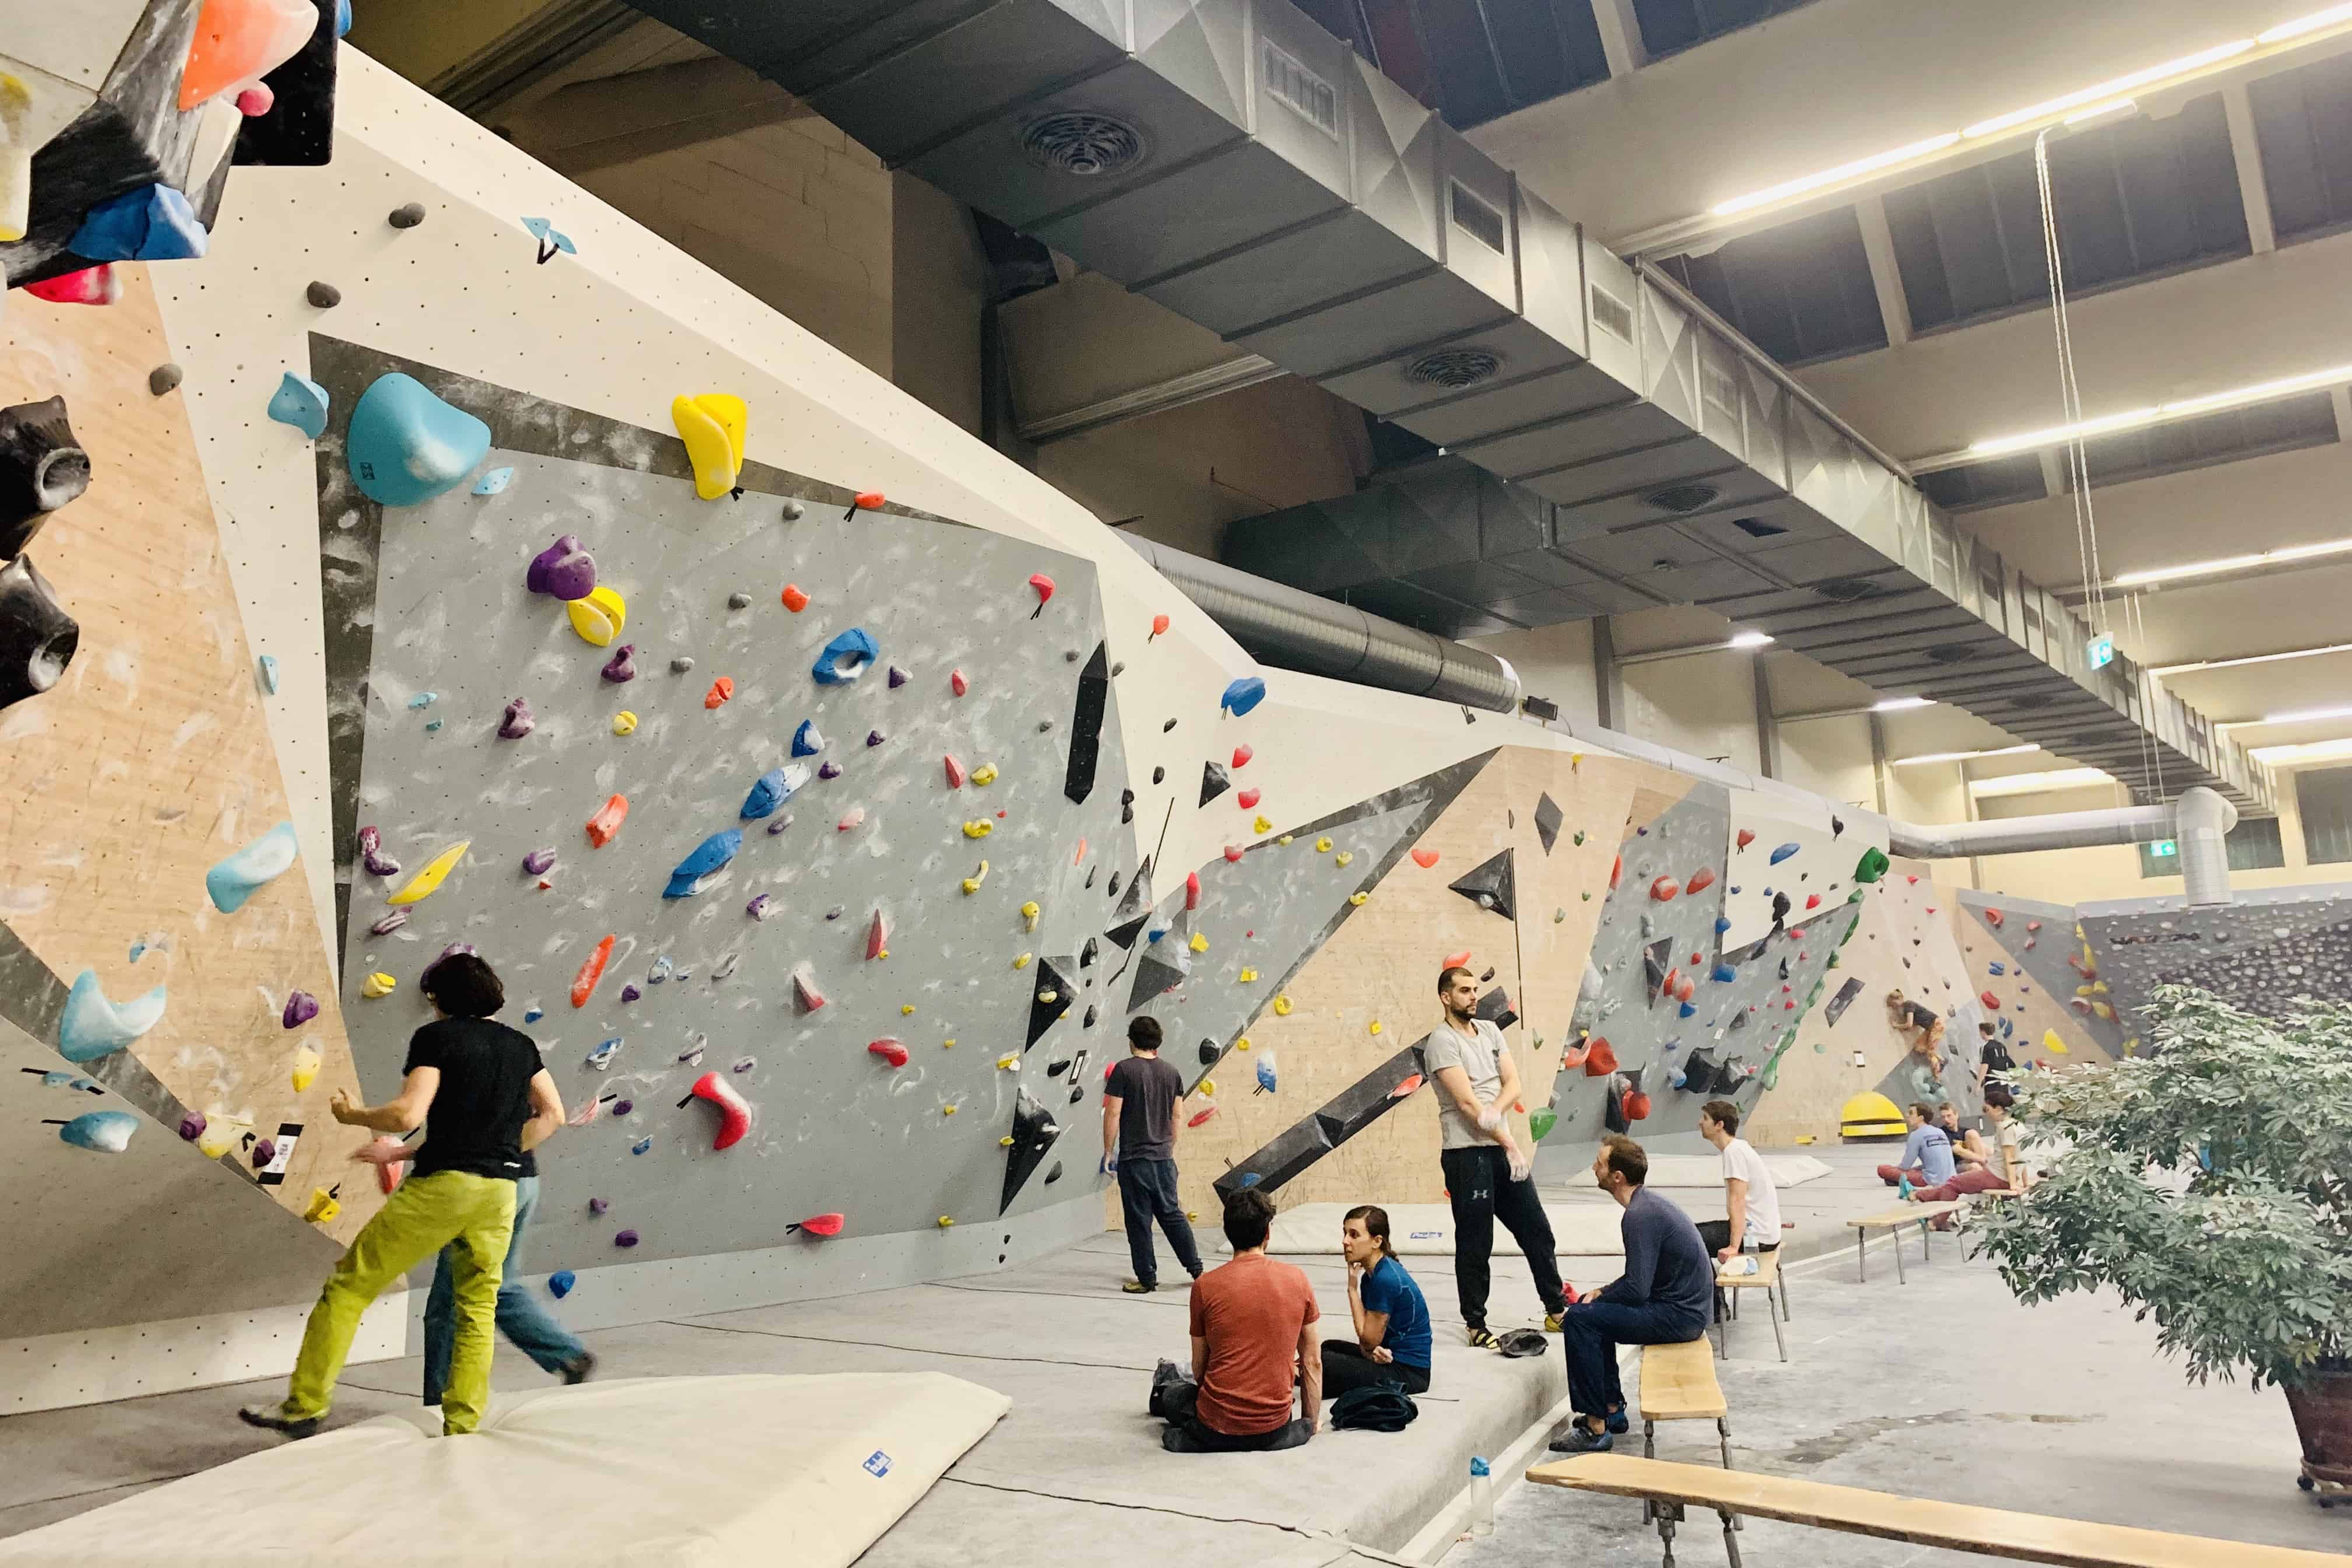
(1382, 1407)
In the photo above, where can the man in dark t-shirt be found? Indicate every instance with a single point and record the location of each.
(1140, 1130)
(1994, 1062)
(490, 1101)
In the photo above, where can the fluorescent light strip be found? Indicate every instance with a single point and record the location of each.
(1836, 176)
(2038, 784)
(2186, 408)
(2100, 112)
(1902, 704)
(1965, 756)
(2122, 87)
(2309, 751)
(2333, 16)
(2301, 716)
(2229, 564)
(2250, 659)
(1749, 639)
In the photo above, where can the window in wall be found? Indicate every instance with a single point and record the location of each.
(2303, 119)
(2324, 798)
(1671, 24)
(1799, 291)
(2255, 846)
(2135, 198)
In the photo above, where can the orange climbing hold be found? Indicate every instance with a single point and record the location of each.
(868, 500)
(795, 599)
(1159, 625)
(239, 42)
(1425, 858)
(607, 820)
(1686, 988)
(720, 691)
(584, 985)
(1701, 881)
(1616, 870)
(1663, 888)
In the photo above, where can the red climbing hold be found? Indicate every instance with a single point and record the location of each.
(1663, 888)
(1247, 799)
(795, 599)
(804, 992)
(1191, 890)
(590, 972)
(1814, 902)
(734, 1111)
(1242, 754)
(1599, 1057)
(607, 820)
(955, 772)
(1233, 852)
(1405, 1088)
(1045, 586)
(1636, 1106)
(1425, 858)
(958, 683)
(1990, 1000)
(1993, 919)
(819, 1225)
(1201, 1117)
(2033, 925)
(90, 285)
(867, 501)
(1746, 838)
(1701, 879)
(889, 1050)
(1456, 961)
(877, 936)
(720, 691)
(1914, 882)
(1616, 870)
(1159, 625)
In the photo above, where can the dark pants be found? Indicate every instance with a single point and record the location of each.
(1147, 1191)
(1591, 1334)
(1345, 1366)
(1478, 1181)
(1717, 1235)
(1174, 1399)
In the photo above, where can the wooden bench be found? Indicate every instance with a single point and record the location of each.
(1767, 1278)
(1957, 1527)
(1678, 1384)
(1892, 1221)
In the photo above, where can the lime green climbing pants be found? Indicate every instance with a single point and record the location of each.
(471, 1215)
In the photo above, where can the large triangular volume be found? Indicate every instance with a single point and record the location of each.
(1033, 1131)
(1491, 886)
(1496, 1007)
(1154, 977)
(1137, 899)
(1126, 931)
(1656, 962)
(1054, 993)
(1085, 726)
(1548, 821)
(1214, 781)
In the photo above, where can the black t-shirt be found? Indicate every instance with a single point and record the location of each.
(476, 1122)
(1996, 1057)
(1913, 1016)
(1147, 1089)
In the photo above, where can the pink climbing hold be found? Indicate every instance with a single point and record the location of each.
(372, 854)
(805, 994)
(2033, 925)
(1425, 858)
(877, 936)
(90, 285)
(1191, 890)
(1247, 799)
(889, 1050)
(1701, 879)
(1045, 586)
(955, 772)
(1159, 625)
(1993, 919)
(734, 1111)
(1990, 1000)
(1242, 754)
(1746, 838)
(958, 682)
(1233, 852)
(1814, 902)
(1663, 888)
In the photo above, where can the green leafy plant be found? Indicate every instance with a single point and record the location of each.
(2208, 1182)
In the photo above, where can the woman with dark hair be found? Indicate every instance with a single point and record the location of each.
(1392, 1342)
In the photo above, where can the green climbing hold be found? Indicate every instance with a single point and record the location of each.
(1540, 1122)
(1872, 866)
(1819, 1048)
(407, 446)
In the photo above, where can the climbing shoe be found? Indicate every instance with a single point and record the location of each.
(1617, 1423)
(1137, 1287)
(578, 1369)
(274, 1418)
(1578, 1440)
(1478, 1339)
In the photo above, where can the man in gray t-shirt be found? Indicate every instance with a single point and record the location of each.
(1485, 1176)
(1139, 1127)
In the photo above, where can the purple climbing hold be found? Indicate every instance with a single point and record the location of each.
(898, 677)
(563, 569)
(192, 1126)
(873, 737)
(626, 1238)
(539, 862)
(389, 923)
(622, 666)
(371, 855)
(630, 993)
(758, 906)
(517, 722)
(829, 771)
(780, 824)
(455, 948)
(624, 1107)
(301, 1008)
(264, 1153)
(745, 1064)
(597, 1206)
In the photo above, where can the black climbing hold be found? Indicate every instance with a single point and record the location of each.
(1214, 781)
(1087, 953)
(1056, 1069)
(1088, 1021)
(1090, 875)
(1126, 797)
(1033, 1131)
(681, 665)
(1087, 712)
(163, 378)
(407, 217)
(1113, 889)
(1837, 826)
(1167, 726)
(1548, 821)
(325, 296)
(1490, 885)
(793, 510)
(1055, 1174)
(1125, 815)
(1210, 1053)
(1158, 774)
(738, 601)
(1052, 981)
(1487, 977)
(42, 468)
(1116, 671)
(37, 638)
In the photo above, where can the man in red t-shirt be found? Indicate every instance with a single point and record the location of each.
(1253, 1341)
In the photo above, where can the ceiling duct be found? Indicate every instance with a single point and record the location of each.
(1234, 162)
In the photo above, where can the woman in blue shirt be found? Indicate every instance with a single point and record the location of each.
(1393, 1344)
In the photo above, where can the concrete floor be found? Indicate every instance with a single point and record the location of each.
(1946, 1388)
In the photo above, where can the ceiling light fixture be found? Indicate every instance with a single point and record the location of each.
(2205, 664)
(2100, 112)
(1965, 756)
(2300, 715)
(2309, 751)
(2229, 564)
(2122, 87)
(2184, 409)
(2038, 784)
(1902, 704)
(1749, 639)
(1839, 176)
(2333, 16)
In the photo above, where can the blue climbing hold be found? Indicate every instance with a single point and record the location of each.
(2008, 1029)
(806, 741)
(1243, 695)
(1997, 968)
(301, 402)
(559, 1283)
(1689, 1010)
(641, 1145)
(1723, 971)
(494, 482)
(708, 856)
(105, 1132)
(234, 880)
(773, 788)
(533, 1015)
(1723, 924)
(268, 667)
(551, 239)
(154, 222)
(1265, 1075)
(407, 446)
(1253, 1179)
(343, 18)
(1784, 852)
(846, 658)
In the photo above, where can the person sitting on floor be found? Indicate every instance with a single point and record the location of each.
(2009, 1139)
(1927, 1155)
(1253, 1341)
(1969, 1150)
(1391, 1344)
(1984, 1176)
(1662, 1298)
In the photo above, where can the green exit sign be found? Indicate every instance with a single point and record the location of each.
(2164, 848)
(2101, 651)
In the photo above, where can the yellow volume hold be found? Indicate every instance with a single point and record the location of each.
(712, 426)
(428, 881)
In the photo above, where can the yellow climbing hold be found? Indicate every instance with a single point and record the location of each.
(306, 1068)
(947, 1044)
(1006, 1064)
(1199, 943)
(422, 886)
(906, 1008)
(2099, 988)
(984, 774)
(1342, 857)
(379, 984)
(1005, 1141)
(712, 426)
(944, 1221)
(1376, 1026)
(1358, 898)
(1282, 1007)
(1023, 962)
(1206, 1089)
(1262, 825)
(1241, 1044)
(1247, 975)
(598, 618)
(1048, 996)
(219, 1137)
(1284, 839)
(624, 722)
(2051, 1042)
(971, 883)
(1322, 847)
(947, 1111)
(979, 829)
(322, 1207)
(1029, 912)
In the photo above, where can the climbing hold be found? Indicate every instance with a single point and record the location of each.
(152, 223)
(495, 482)
(686, 879)
(1700, 881)
(877, 936)
(624, 722)
(855, 817)
(720, 691)
(1323, 846)
(422, 886)
(1814, 902)
(163, 378)
(607, 820)
(865, 500)
(592, 970)
(958, 682)
(406, 217)
(100, 1132)
(550, 240)
(1282, 1007)
(630, 993)
(681, 665)
(563, 570)
(623, 666)
(712, 426)
(979, 827)
(984, 774)
(1425, 858)
(1233, 852)
(1242, 695)
(1263, 825)
(1663, 888)
(806, 741)
(598, 617)
(1342, 857)
(817, 1225)
(306, 1068)
(1199, 943)
(234, 880)
(1247, 799)
(734, 1111)
(805, 994)
(42, 468)
(772, 789)
(301, 1008)
(91, 1026)
(1873, 864)
(625, 1239)
(1782, 852)
(301, 402)
(387, 925)
(1993, 919)
(1023, 962)
(873, 737)
(1357, 897)
(192, 1126)
(1045, 587)
(379, 984)
(738, 600)
(407, 446)
(90, 285)
(971, 883)
(517, 723)
(1191, 890)
(793, 598)
(559, 1283)
(236, 43)
(1029, 914)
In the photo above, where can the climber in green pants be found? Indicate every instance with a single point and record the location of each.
(489, 1100)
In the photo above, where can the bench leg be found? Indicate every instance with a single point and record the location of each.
(1649, 1439)
(1926, 1242)
(1861, 1255)
(1781, 1281)
(1722, 1438)
(1667, 1514)
(1895, 1236)
(1780, 1337)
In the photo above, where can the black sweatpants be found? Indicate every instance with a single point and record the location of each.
(1346, 1367)
(1478, 1181)
(1175, 1401)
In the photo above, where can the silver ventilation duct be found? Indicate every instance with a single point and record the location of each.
(1234, 162)
(1295, 630)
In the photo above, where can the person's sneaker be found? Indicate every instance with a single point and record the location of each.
(1616, 1422)
(1137, 1287)
(1478, 1339)
(274, 1418)
(1578, 1440)
(1552, 1321)
(578, 1369)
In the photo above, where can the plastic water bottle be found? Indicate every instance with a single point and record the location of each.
(1482, 1498)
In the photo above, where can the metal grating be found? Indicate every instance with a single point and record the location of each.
(2004, 482)
(1801, 291)
(1668, 25)
(2287, 424)
(2135, 198)
(2302, 120)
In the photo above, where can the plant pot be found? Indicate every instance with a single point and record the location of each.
(2321, 1403)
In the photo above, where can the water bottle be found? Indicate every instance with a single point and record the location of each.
(1482, 1498)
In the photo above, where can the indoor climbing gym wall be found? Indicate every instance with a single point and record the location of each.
(2260, 951)
(2039, 980)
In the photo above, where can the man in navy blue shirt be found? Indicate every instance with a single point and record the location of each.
(1392, 1319)
(1663, 1298)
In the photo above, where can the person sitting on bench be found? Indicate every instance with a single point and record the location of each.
(1927, 1155)
(1753, 1202)
(1254, 1339)
(1985, 1177)
(1662, 1298)
(1391, 1342)
(1969, 1150)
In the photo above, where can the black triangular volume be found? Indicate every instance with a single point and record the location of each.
(1154, 978)
(1052, 981)
(1491, 886)
(1495, 1007)
(1548, 821)
(1033, 1131)
(1214, 781)
(1087, 953)
(1126, 931)
(1085, 726)
(1654, 964)
(1137, 899)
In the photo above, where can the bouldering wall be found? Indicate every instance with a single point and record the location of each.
(2258, 952)
(2053, 1008)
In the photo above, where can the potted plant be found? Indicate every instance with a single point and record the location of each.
(2208, 1182)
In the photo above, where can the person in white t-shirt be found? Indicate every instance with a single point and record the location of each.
(1754, 1202)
